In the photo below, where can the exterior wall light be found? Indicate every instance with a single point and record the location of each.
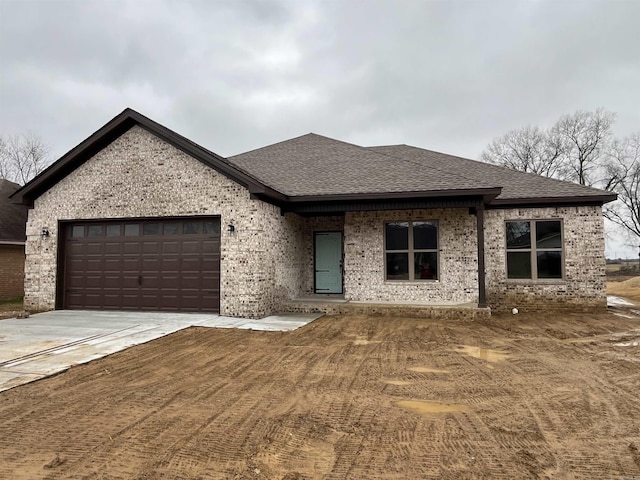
(231, 229)
(45, 233)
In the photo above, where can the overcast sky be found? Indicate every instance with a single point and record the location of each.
(239, 74)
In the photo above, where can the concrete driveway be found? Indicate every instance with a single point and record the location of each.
(51, 342)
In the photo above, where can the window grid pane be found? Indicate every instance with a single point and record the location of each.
(132, 230)
(425, 265)
(94, 231)
(519, 264)
(543, 259)
(401, 242)
(113, 230)
(548, 234)
(425, 236)
(397, 266)
(397, 236)
(549, 264)
(518, 235)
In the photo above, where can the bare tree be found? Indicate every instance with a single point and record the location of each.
(528, 149)
(623, 169)
(580, 148)
(22, 157)
(573, 149)
(585, 136)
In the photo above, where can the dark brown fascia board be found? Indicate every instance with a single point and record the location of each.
(112, 130)
(552, 201)
(488, 194)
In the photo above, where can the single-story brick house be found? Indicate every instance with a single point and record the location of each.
(13, 220)
(139, 217)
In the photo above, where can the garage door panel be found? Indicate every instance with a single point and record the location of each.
(170, 247)
(191, 246)
(113, 248)
(93, 282)
(210, 264)
(143, 264)
(93, 248)
(150, 263)
(150, 247)
(75, 248)
(112, 264)
(150, 281)
(190, 283)
(130, 301)
(211, 246)
(75, 281)
(131, 248)
(111, 301)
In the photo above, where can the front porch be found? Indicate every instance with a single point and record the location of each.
(338, 305)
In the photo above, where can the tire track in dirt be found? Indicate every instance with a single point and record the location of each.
(322, 403)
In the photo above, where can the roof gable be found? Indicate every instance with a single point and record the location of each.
(114, 129)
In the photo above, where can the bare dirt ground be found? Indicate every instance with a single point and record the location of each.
(354, 397)
(628, 287)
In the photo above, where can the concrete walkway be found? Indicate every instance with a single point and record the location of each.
(51, 342)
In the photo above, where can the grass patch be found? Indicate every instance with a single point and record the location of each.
(9, 307)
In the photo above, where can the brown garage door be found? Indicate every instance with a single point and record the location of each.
(142, 265)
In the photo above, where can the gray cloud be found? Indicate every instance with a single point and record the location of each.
(236, 75)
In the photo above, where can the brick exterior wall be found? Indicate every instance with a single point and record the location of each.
(583, 285)
(11, 271)
(364, 258)
(269, 258)
(139, 175)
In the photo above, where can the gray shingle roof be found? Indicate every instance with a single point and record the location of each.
(313, 165)
(515, 185)
(13, 218)
(317, 165)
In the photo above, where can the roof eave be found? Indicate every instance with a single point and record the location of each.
(554, 201)
(487, 194)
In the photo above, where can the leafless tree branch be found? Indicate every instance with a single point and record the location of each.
(623, 173)
(22, 157)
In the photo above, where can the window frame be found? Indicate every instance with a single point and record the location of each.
(533, 251)
(411, 251)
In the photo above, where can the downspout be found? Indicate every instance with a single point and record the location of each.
(482, 292)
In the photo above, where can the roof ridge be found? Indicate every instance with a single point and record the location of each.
(414, 162)
(369, 150)
(274, 144)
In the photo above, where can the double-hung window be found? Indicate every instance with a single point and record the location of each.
(411, 251)
(534, 249)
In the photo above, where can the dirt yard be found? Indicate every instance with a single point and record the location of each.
(344, 398)
(627, 287)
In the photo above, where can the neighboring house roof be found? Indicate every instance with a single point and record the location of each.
(13, 217)
(313, 169)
